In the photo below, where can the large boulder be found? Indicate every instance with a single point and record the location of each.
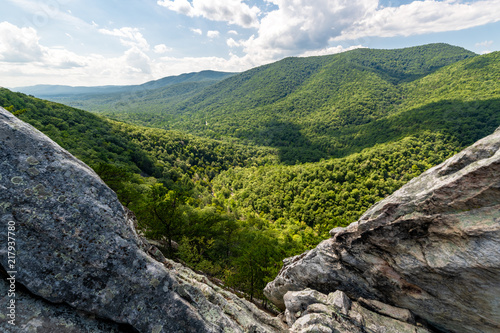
(73, 243)
(432, 247)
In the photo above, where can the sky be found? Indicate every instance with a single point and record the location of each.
(120, 42)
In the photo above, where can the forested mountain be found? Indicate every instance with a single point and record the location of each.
(215, 174)
(316, 107)
(149, 95)
(95, 140)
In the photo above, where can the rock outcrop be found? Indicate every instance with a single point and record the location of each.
(75, 247)
(33, 314)
(433, 247)
(310, 311)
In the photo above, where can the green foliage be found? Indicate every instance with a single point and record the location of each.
(89, 137)
(162, 212)
(333, 192)
(17, 112)
(234, 193)
(150, 152)
(127, 185)
(178, 153)
(320, 107)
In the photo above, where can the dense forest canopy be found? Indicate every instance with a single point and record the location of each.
(236, 173)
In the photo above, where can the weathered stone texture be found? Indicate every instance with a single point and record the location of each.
(76, 245)
(38, 316)
(315, 312)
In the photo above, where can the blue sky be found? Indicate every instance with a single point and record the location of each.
(101, 42)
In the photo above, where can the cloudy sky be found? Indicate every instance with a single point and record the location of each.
(101, 42)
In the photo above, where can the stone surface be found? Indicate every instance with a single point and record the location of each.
(388, 310)
(340, 300)
(321, 317)
(76, 245)
(298, 301)
(35, 315)
(371, 321)
(315, 322)
(212, 301)
(432, 247)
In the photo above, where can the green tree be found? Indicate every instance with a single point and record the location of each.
(163, 212)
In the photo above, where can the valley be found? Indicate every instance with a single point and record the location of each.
(234, 172)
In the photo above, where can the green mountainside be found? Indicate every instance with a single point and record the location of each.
(307, 108)
(215, 174)
(95, 140)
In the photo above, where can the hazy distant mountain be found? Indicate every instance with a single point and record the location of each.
(45, 90)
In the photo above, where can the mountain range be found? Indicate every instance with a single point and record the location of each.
(316, 107)
(47, 90)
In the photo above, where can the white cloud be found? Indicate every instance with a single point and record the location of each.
(231, 11)
(197, 31)
(19, 44)
(421, 17)
(299, 26)
(293, 27)
(485, 46)
(180, 6)
(130, 37)
(161, 48)
(232, 43)
(329, 50)
(486, 43)
(213, 34)
(137, 61)
(23, 59)
(233, 32)
(63, 59)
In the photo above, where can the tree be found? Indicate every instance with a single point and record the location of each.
(163, 213)
(256, 261)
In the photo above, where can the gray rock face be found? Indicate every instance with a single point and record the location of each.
(298, 301)
(432, 247)
(75, 244)
(35, 315)
(319, 313)
(388, 310)
(340, 300)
